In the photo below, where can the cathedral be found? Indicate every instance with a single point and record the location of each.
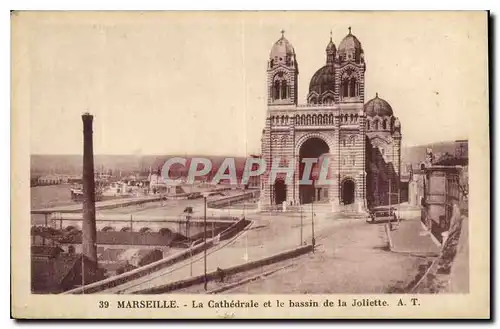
(362, 141)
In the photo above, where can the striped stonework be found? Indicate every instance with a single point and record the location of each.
(363, 147)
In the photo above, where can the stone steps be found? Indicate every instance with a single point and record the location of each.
(321, 210)
(347, 215)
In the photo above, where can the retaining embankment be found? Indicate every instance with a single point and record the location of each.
(101, 205)
(225, 202)
(198, 247)
(172, 286)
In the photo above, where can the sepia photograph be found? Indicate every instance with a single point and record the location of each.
(210, 160)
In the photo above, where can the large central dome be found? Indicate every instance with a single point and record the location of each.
(323, 80)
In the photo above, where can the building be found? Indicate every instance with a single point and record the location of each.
(53, 271)
(442, 191)
(361, 141)
(446, 184)
(254, 181)
(416, 186)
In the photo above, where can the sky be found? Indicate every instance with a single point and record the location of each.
(195, 83)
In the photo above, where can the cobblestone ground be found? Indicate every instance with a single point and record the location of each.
(350, 258)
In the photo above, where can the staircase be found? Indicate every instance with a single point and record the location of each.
(323, 210)
(320, 209)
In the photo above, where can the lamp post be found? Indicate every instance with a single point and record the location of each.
(390, 203)
(188, 233)
(312, 217)
(301, 223)
(205, 195)
(205, 238)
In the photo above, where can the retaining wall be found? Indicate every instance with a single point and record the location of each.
(228, 271)
(224, 202)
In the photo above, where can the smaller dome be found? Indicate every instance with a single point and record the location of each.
(350, 49)
(378, 106)
(282, 48)
(349, 42)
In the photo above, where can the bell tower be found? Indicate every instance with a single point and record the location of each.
(350, 70)
(282, 73)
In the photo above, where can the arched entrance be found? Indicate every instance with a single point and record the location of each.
(348, 188)
(279, 192)
(314, 147)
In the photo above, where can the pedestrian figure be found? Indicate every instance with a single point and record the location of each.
(221, 274)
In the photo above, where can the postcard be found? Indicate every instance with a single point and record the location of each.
(250, 165)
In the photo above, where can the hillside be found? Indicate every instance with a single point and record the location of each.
(72, 164)
(416, 154)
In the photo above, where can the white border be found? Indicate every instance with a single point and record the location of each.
(6, 6)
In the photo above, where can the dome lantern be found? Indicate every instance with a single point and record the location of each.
(330, 51)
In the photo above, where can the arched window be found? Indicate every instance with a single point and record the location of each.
(367, 125)
(345, 88)
(327, 100)
(276, 92)
(352, 87)
(283, 89)
(384, 125)
(272, 62)
(376, 125)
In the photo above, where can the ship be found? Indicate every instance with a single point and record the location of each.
(76, 191)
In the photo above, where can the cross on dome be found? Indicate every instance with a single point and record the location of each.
(282, 33)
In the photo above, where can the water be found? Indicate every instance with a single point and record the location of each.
(50, 196)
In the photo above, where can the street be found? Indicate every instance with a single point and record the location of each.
(349, 258)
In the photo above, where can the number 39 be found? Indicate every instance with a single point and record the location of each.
(103, 304)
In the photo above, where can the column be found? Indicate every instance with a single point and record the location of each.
(361, 155)
(265, 195)
(290, 155)
(333, 190)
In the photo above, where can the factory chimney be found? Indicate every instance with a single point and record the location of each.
(89, 248)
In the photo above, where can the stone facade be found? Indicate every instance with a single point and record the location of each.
(361, 142)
